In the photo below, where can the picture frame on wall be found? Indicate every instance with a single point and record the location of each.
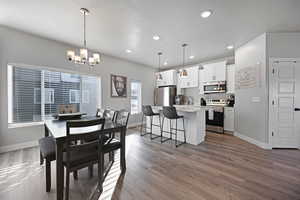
(118, 86)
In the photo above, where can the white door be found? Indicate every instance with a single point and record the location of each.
(285, 103)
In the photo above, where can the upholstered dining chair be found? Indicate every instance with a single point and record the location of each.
(80, 155)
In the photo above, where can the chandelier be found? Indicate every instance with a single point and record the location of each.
(83, 57)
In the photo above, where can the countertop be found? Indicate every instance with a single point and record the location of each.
(189, 108)
(184, 108)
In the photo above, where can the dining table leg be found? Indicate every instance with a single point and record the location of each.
(59, 171)
(123, 150)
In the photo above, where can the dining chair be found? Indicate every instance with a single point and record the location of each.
(80, 155)
(121, 117)
(100, 112)
(47, 153)
(110, 114)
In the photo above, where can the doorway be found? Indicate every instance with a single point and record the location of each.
(284, 109)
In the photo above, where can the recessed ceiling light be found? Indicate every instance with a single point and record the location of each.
(165, 63)
(192, 57)
(128, 51)
(156, 37)
(230, 47)
(206, 13)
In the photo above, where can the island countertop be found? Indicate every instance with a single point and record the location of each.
(184, 108)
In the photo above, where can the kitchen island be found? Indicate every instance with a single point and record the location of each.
(194, 119)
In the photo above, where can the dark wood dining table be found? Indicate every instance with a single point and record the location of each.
(57, 129)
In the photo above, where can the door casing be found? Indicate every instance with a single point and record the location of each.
(271, 95)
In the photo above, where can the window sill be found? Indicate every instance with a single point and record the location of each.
(21, 125)
(138, 113)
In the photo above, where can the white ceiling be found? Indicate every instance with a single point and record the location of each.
(117, 25)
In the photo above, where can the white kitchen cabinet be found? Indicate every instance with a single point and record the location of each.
(191, 80)
(168, 78)
(230, 71)
(229, 119)
(214, 72)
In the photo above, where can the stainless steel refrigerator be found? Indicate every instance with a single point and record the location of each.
(165, 96)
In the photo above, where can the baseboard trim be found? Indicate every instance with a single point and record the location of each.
(19, 146)
(253, 141)
(134, 125)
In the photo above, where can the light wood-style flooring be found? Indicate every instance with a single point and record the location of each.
(223, 167)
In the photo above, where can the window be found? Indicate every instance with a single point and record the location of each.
(74, 96)
(136, 97)
(35, 94)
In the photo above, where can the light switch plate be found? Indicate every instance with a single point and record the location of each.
(255, 99)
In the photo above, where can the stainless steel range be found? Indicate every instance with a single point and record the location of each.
(215, 115)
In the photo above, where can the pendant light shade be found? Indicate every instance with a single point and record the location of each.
(159, 76)
(183, 72)
(83, 57)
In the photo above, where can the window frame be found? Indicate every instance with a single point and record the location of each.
(9, 83)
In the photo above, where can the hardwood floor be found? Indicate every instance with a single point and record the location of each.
(223, 167)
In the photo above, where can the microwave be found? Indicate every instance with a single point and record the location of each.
(215, 87)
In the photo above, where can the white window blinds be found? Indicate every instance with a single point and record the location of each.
(36, 94)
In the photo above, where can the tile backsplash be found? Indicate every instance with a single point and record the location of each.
(194, 93)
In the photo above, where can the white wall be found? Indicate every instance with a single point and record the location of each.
(20, 47)
(284, 45)
(251, 118)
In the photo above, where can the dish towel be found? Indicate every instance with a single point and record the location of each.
(211, 114)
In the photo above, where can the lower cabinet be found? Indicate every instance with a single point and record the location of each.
(229, 119)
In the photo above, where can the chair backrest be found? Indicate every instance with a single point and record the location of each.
(122, 117)
(100, 112)
(109, 114)
(170, 112)
(147, 110)
(85, 129)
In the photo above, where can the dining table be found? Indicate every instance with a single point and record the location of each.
(58, 130)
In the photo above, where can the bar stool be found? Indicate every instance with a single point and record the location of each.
(170, 113)
(148, 112)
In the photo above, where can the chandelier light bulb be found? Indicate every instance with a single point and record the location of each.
(96, 57)
(84, 55)
(70, 55)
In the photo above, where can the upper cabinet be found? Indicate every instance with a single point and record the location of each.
(168, 78)
(230, 79)
(191, 80)
(214, 72)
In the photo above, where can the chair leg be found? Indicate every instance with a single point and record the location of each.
(41, 159)
(48, 175)
(176, 134)
(160, 127)
(67, 183)
(184, 130)
(91, 168)
(161, 130)
(142, 125)
(75, 175)
(170, 129)
(151, 126)
(101, 172)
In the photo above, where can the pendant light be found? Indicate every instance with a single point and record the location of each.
(159, 76)
(83, 57)
(183, 71)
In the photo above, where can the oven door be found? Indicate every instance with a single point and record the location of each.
(215, 124)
